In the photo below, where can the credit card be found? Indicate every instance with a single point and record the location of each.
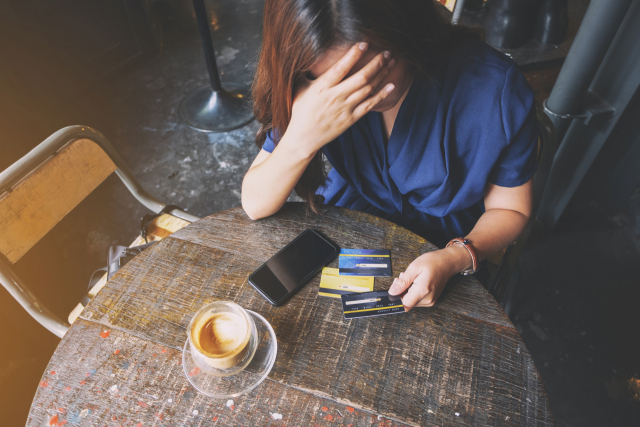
(368, 304)
(333, 285)
(365, 262)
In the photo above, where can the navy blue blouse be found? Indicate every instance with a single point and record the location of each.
(471, 123)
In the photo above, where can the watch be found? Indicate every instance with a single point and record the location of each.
(474, 256)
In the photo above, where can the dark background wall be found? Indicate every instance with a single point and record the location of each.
(122, 67)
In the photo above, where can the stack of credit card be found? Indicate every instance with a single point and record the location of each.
(353, 283)
(365, 262)
(368, 304)
(334, 285)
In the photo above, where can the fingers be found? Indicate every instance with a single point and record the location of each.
(426, 301)
(413, 281)
(404, 280)
(367, 73)
(366, 106)
(410, 281)
(414, 295)
(341, 68)
(372, 87)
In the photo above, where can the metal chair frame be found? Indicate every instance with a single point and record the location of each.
(500, 287)
(31, 162)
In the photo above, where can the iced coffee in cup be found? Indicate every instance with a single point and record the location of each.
(222, 338)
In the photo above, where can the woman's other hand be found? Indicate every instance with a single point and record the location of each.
(327, 106)
(425, 278)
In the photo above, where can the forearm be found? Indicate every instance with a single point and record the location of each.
(495, 230)
(507, 212)
(266, 186)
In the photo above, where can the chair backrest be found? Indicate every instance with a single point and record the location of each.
(498, 283)
(547, 147)
(30, 208)
(38, 190)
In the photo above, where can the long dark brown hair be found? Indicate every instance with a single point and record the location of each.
(297, 32)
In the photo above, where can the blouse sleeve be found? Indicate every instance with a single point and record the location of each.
(269, 145)
(518, 160)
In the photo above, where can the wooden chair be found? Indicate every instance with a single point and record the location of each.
(500, 287)
(41, 188)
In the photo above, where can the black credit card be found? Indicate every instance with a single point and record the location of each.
(367, 304)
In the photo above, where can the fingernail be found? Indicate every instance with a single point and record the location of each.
(393, 289)
(391, 63)
(386, 54)
(363, 46)
(389, 88)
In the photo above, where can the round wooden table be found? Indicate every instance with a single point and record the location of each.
(459, 363)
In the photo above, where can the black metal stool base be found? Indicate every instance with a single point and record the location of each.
(206, 110)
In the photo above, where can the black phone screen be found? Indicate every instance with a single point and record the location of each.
(293, 266)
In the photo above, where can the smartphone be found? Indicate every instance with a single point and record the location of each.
(290, 269)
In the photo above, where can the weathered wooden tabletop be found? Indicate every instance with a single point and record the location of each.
(460, 363)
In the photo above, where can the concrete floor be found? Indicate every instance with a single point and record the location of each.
(578, 317)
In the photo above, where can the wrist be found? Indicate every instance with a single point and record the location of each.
(297, 147)
(460, 258)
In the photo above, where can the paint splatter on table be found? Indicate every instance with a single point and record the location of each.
(459, 363)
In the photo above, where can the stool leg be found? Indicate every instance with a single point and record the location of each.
(214, 108)
(207, 44)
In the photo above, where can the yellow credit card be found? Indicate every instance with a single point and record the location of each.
(332, 284)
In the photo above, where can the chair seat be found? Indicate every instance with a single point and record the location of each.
(158, 229)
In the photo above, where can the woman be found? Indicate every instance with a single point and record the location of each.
(423, 124)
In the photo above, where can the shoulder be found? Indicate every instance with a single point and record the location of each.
(479, 66)
(477, 56)
(480, 55)
(482, 85)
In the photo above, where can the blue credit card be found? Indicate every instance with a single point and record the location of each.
(365, 262)
(368, 304)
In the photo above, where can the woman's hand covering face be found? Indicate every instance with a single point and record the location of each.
(327, 106)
